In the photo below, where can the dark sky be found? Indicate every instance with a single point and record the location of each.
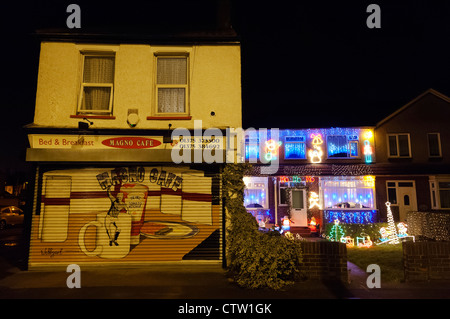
(304, 63)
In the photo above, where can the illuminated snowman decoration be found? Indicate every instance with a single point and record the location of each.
(402, 229)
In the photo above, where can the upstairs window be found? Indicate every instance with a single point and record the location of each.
(294, 147)
(172, 88)
(399, 145)
(342, 146)
(434, 145)
(252, 148)
(97, 87)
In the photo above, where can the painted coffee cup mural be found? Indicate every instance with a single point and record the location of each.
(127, 214)
(109, 243)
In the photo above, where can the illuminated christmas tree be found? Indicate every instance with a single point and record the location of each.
(336, 231)
(392, 230)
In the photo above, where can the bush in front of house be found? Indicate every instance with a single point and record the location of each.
(255, 259)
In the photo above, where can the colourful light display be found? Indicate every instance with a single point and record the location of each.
(363, 240)
(336, 232)
(297, 179)
(351, 217)
(369, 181)
(314, 200)
(271, 149)
(368, 151)
(316, 153)
(348, 241)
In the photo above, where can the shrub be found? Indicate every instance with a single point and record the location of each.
(256, 260)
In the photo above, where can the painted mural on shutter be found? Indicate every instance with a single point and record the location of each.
(127, 215)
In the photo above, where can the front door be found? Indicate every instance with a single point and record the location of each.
(298, 208)
(403, 195)
(406, 199)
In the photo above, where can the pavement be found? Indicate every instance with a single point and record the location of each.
(187, 281)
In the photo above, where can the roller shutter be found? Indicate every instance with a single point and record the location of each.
(126, 215)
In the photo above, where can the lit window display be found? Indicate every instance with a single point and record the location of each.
(349, 199)
(256, 201)
(347, 192)
(294, 147)
(255, 193)
(251, 148)
(342, 146)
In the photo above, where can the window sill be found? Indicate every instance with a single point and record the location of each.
(99, 117)
(169, 117)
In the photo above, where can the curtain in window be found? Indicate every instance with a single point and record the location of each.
(171, 71)
(347, 194)
(97, 70)
(171, 100)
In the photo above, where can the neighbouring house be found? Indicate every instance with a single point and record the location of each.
(412, 147)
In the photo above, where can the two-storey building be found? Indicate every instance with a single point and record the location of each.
(323, 173)
(108, 190)
(413, 156)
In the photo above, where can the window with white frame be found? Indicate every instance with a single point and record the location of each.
(399, 145)
(97, 87)
(440, 193)
(172, 85)
(342, 146)
(434, 145)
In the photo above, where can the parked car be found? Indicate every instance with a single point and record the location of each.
(10, 215)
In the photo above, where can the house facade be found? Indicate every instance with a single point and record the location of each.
(320, 175)
(107, 188)
(348, 174)
(413, 156)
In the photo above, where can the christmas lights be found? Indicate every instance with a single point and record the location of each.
(363, 240)
(316, 154)
(393, 238)
(271, 149)
(314, 200)
(351, 217)
(348, 241)
(336, 232)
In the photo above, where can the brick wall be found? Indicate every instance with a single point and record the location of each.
(426, 261)
(325, 260)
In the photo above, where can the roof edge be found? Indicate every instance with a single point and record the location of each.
(401, 109)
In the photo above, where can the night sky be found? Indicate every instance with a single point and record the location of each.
(304, 64)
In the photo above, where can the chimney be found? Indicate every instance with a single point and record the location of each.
(223, 14)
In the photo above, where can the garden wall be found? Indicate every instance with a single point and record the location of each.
(325, 260)
(425, 261)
